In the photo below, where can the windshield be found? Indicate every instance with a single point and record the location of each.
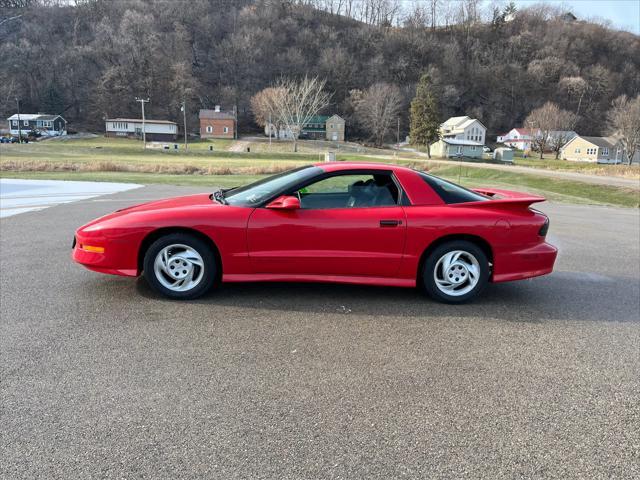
(255, 193)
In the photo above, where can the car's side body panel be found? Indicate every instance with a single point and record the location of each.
(341, 241)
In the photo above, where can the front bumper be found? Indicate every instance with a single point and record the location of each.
(115, 259)
(524, 263)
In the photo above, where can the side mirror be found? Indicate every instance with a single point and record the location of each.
(285, 202)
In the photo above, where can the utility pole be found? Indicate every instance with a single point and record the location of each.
(19, 124)
(184, 117)
(144, 133)
(235, 121)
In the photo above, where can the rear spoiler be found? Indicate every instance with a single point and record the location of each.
(503, 199)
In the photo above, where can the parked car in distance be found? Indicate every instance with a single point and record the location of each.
(361, 223)
(8, 140)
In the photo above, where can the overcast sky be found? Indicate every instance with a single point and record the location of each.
(623, 14)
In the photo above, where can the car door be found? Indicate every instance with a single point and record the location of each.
(339, 230)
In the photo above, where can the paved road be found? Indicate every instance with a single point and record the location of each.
(609, 180)
(100, 378)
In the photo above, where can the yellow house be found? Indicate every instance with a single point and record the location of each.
(593, 149)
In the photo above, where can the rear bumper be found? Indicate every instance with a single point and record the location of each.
(116, 259)
(525, 263)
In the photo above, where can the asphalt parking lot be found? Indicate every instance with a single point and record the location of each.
(101, 378)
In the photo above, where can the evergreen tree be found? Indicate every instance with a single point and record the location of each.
(425, 115)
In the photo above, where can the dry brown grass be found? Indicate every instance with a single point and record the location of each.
(107, 166)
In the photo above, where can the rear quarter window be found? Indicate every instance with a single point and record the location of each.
(450, 192)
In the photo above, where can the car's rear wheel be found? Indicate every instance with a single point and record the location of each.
(180, 266)
(455, 272)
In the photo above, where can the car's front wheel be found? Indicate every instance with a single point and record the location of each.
(180, 266)
(455, 272)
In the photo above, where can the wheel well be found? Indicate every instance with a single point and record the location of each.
(161, 232)
(479, 241)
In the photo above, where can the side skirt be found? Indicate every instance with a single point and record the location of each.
(357, 280)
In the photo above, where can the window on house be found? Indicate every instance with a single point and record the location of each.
(25, 123)
(209, 129)
(577, 150)
(605, 151)
(47, 123)
(331, 126)
(226, 130)
(592, 151)
(15, 123)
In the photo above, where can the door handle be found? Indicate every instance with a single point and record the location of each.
(390, 223)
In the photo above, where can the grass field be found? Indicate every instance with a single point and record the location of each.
(122, 160)
(550, 163)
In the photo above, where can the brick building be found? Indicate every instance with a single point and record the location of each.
(217, 124)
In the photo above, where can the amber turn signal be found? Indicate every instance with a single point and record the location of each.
(92, 248)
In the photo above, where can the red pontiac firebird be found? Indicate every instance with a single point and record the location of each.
(365, 223)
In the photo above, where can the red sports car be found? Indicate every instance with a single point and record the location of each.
(362, 223)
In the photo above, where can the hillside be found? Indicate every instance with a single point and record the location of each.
(88, 60)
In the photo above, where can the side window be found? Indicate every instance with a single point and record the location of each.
(350, 191)
(450, 192)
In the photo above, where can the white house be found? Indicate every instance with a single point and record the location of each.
(464, 128)
(155, 130)
(460, 137)
(519, 138)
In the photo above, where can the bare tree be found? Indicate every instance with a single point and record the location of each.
(624, 122)
(297, 101)
(546, 123)
(264, 107)
(564, 125)
(377, 109)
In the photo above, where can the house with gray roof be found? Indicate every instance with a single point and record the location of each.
(460, 136)
(595, 149)
(45, 124)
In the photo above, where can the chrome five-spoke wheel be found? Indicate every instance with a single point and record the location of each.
(179, 267)
(457, 273)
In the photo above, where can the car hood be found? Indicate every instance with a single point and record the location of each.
(201, 199)
(168, 203)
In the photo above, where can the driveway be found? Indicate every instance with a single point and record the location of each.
(99, 377)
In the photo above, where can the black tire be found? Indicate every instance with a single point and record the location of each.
(209, 272)
(431, 263)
